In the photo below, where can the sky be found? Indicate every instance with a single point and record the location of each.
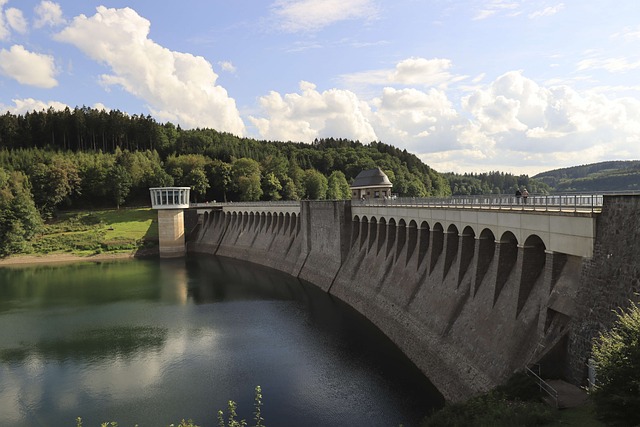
(519, 86)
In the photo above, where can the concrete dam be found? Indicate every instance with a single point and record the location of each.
(470, 294)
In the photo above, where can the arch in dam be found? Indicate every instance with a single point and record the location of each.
(256, 221)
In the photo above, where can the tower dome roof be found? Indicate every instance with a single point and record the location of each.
(371, 178)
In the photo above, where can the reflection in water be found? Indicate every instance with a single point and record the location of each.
(91, 344)
(152, 342)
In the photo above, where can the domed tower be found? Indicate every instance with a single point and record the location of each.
(371, 184)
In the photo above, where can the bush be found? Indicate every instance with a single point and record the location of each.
(515, 403)
(617, 356)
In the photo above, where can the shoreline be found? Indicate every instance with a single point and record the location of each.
(26, 260)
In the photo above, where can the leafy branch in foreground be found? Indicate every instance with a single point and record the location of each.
(231, 420)
(617, 356)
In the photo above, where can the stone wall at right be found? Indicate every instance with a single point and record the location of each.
(610, 279)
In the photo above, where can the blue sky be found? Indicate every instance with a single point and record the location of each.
(468, 86)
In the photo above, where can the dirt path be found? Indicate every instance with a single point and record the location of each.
(59, 258)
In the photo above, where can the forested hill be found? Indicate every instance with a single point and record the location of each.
(604, 176)
(86, 157)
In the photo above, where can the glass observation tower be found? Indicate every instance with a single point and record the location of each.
(170, 203)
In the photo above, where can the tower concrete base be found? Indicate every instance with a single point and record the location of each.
(171, 233)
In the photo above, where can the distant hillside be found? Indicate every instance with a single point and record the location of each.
(603, 176)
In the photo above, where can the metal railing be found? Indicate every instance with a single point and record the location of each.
(545, 386)
(557, 202)
(274, 203)
(560, 202)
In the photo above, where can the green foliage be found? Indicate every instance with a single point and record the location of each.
(493, 183)
(19, 218)
(315, 185)
(617, 356)
(119, 183)
(603, 176)
(516, 403)
(89, 142)
(245, 173)
(338, 187)
(231, 421)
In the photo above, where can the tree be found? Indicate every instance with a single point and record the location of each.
(119, 184)
(416, 189)
(338, 187)
(245, 174)
(271, 187)
(289, 190)
(53, 183)
(220, 173)
(19, 218)
(617, 356)
(197, 180)
(315, 185)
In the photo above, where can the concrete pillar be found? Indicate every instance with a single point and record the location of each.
(171, 233)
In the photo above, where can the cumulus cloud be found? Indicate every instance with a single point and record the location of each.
(178, 87)
(22, 106)
(16, 20)
(48, 13)
(410, 71)
(313, 15)
(419, 120)
(312, 114)
(512, 123)
(532, 126)
(28, 68)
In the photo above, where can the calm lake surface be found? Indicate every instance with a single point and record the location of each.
(154, 341)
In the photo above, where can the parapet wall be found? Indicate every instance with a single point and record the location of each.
(467, 309)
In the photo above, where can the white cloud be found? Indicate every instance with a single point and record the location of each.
(227, 66)
(16, 20)
(533, 127)
(311, 114)
(494, 7)
(547, 11)
(411, 71)
(416, 120)
(612, 65)
(628, 33)
(28, 68)
(313, 15)
(48, 13)
(178, 87)
(512, 124)
(4, 30)
(21, 106)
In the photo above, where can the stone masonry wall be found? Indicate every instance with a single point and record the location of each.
(609, 280)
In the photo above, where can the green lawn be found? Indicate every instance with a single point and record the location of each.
(105, 231)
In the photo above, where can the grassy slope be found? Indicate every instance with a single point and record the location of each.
(92, 232)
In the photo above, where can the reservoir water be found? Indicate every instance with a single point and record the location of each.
(151, 342)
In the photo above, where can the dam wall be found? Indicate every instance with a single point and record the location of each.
(468, 307)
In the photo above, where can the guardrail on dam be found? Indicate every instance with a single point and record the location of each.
(469, 293)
